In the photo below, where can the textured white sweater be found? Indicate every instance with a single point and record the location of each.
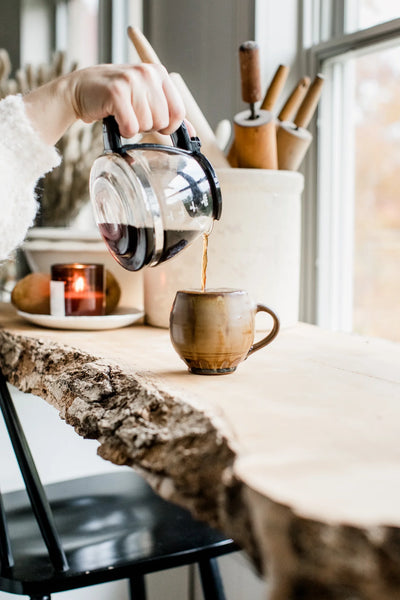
(24, 158)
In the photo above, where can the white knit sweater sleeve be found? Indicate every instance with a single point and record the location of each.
(24, 158)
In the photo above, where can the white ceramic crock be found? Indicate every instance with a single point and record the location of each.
(255, 246)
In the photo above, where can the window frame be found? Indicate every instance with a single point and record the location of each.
(328, 219)
(113, 17)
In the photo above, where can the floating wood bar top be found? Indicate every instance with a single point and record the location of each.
(296, 455)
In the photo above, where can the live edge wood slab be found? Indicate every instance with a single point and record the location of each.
(296, 455)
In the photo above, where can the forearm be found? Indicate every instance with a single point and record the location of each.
(141, 97)
(50, 110)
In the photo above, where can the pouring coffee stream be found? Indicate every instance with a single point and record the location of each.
(204, 262)
(151, 201)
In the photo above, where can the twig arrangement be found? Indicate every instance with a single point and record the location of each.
(65, 190)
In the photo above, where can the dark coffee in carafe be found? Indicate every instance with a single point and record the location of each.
(133, 247)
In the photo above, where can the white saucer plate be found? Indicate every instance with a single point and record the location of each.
(120, 318)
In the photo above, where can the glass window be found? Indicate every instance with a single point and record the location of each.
(357, 168)
(87, 31)
(374, 12)
(36, 38)
(77, 31)
(376, 305)
(70, 26)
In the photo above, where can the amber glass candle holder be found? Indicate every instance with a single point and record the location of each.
(77, 290)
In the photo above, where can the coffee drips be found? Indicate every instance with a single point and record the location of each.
(204, 262)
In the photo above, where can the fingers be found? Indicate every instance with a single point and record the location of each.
(176, 108)
(127, 121)
(151, 104)
(141, 97)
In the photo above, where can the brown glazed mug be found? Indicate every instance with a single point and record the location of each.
(213, 331)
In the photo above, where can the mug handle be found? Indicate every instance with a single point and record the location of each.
(272, 334)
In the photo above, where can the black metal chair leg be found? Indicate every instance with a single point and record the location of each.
(137, 587)
(6, 556)
(45, 597)
(34, 487)
(211, 581)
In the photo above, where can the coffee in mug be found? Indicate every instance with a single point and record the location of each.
(213, 331)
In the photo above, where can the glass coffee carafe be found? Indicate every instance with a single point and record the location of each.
(151, 201)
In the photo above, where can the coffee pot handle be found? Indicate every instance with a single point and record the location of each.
(180, 138)
(272, 334)
(111, 135)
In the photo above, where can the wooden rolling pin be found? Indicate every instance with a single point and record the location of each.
(142, 46)
(268, 104)
(209, 144)
(292, 104)
(293, 139)
(275, 88)
(255, 130)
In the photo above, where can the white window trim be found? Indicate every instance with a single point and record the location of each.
(114, 17)
(328, 206)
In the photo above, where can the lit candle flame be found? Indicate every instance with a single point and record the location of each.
(79, 284)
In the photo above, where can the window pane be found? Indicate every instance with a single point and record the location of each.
(82, 31)
(35, 32)
(72, 27)
(377, 195)
(77, 30)
(373, 12)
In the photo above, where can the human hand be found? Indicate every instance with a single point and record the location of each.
(141, 97)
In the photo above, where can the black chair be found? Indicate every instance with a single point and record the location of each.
(112, 527)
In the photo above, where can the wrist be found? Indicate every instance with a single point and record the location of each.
(50, 109)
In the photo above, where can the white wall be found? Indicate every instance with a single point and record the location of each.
(200, 40)
(277, 32)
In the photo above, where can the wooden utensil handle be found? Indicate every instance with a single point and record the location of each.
(142, 46)
(295, 99)
(275, 88)
(249, 60)
(309, 104)
(194, 114)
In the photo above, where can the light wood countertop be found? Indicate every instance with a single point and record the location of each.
(296, 454)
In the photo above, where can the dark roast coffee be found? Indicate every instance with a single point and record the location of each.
(133, 247)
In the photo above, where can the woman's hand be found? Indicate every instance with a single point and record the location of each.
(141, 97)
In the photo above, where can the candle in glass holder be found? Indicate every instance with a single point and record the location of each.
(77, 290)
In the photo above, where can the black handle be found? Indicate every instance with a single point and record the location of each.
(111, 135)
(180, 137)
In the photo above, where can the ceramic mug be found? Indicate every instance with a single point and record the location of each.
(213, 331)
